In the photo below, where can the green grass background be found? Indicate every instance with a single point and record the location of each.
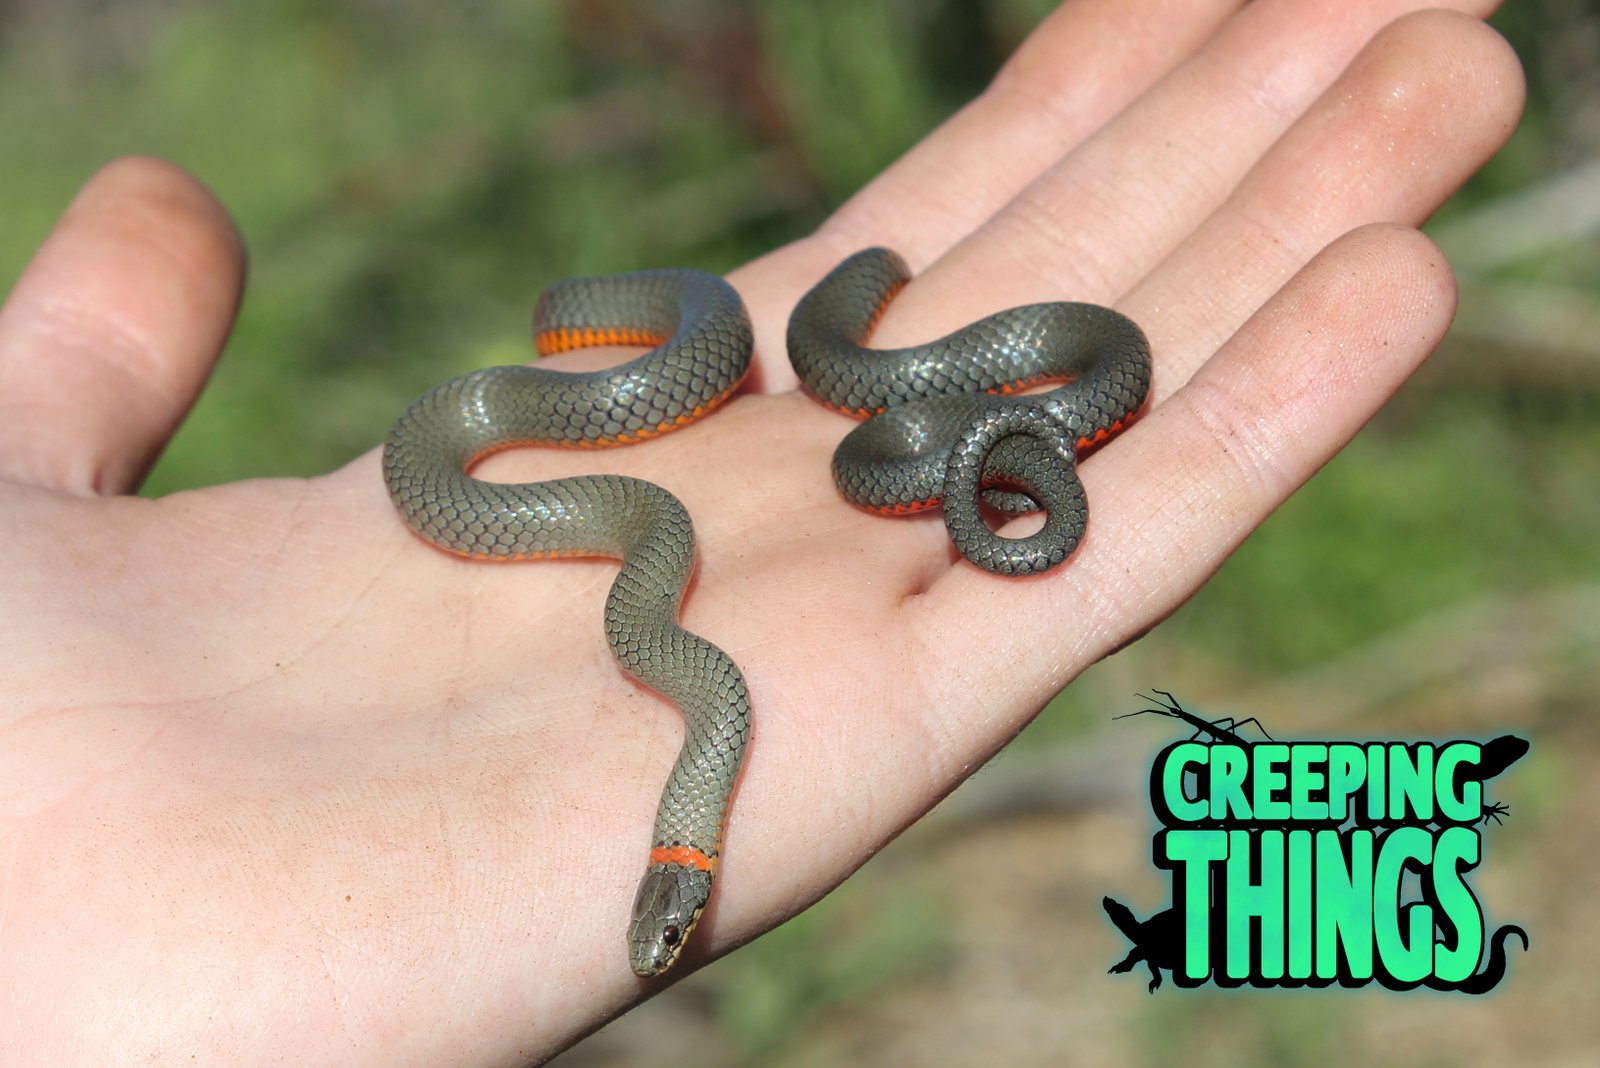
(408, 176)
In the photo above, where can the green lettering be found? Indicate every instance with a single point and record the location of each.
(1300, 904)
(1347, 771)
(1409, 956)
(1247, 900)
(1411, 783)
(1269, 778)
(1455, 851)
(1196, 851)
(1306, 777)
(1344, 903)
(1229, 768)
(1375, 781)
(1179, 804)
(1466, 807)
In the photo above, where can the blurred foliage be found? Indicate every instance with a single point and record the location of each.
(408, 176)
(848, 945)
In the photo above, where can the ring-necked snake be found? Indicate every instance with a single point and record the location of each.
(703, 347)
(703, 341)
(940, 425)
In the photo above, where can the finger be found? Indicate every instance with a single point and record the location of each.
(1200, 472)
(1077, 69)
(1113, 206)
(1081, 66)
(1120, 205)
(112, 329)
(1429, 100)
(1418, 112)
(1167, 160)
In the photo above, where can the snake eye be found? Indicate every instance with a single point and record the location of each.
(670, 935)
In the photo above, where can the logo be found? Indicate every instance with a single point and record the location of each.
(1310, 863)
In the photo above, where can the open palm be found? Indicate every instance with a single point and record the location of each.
(279, 782)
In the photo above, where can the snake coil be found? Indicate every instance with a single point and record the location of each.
(940, 425)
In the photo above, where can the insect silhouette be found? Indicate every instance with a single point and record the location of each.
(1218, 730)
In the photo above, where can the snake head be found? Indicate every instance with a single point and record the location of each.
(670, 899)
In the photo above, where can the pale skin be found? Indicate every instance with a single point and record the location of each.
(280, 783)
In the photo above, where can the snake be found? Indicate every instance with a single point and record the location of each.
(702, 344)
(936, 433)
(946, 421)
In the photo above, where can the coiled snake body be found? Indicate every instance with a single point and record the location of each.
(939, 427)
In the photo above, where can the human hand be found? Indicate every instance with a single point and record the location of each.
(283, 783)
